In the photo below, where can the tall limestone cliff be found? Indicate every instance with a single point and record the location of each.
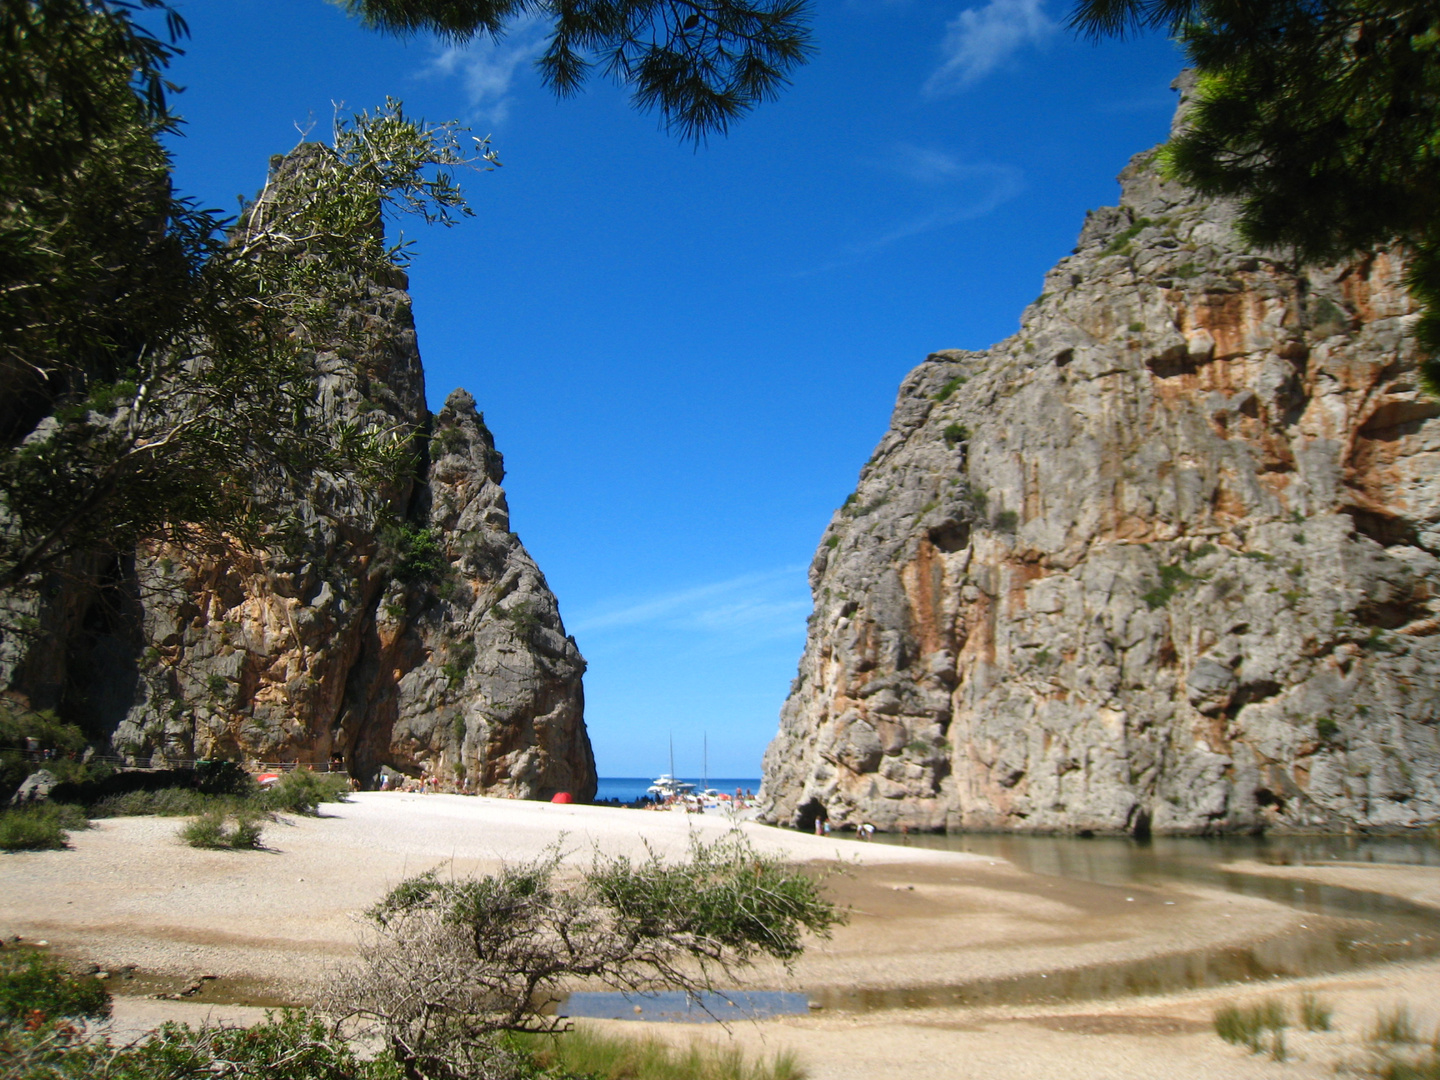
(1164, 560)
(397, 624)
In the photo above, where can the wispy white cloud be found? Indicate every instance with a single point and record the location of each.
(487, 68)
(926, 165)
(757, 605)
(980, 39)
(943, 189)
(964, 190)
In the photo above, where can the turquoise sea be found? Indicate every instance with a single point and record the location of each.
(629, 788)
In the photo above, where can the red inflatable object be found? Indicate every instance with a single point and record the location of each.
(561, 796)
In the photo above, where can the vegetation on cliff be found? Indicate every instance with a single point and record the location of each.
(1319, 118)
(153, 368)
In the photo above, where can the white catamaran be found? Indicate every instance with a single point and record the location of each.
(665, 787)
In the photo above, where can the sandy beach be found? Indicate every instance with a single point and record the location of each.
(158, 915)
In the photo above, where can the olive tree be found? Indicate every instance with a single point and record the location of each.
(448, 965)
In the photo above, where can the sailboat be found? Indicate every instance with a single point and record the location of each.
(708, 796)
(665, 787)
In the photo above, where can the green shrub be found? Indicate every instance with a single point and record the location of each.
(955, 434)
(587, 1053)
(32, 983)
(1174, 576)
(42, 827)
(302, 792)
(1172, 579)
(461, 657)
(448, 586)
(52, 733)
(231, 792)
(1248, 1026)
(290, 1045)
(1394, 1027)
(1277, 1045)
(65, 741)
(1007, 520)
(523, 618)
(1315, 1014)
(211, 830)
(1122, 240)
(205, 831)
(1326, 729)
(949, 388)
(1378, 642)
(1157, 598)
(452, 440)
(217, 777)
(418, 556)
(164, 802)
(1387, 1065)
(293, 1045)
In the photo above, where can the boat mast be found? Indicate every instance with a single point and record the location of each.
(705, 767)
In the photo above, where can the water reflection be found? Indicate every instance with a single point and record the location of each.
(1365, 928)
(1116, 860)
(676, 1007)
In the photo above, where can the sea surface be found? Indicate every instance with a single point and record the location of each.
(629, 788)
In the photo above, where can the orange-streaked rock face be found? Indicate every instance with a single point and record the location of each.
(395, 624)
(1165, 560)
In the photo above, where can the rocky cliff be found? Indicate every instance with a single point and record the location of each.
(389, 623)
(1164, 560)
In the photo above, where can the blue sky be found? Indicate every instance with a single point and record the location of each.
(687, 355)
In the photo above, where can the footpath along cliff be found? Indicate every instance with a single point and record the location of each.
(397, 624)
(1165, 560)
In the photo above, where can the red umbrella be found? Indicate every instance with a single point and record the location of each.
(562, 797)
(267, 778)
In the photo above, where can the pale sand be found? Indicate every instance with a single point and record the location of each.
(130, 894)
